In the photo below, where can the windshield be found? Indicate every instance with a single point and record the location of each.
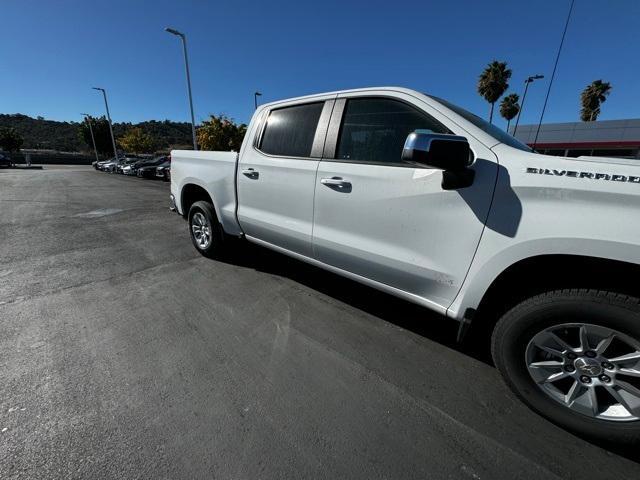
(497, 133)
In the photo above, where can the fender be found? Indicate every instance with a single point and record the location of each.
(484, 273)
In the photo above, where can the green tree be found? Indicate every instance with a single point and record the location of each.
(509, 108)
(493, 82)
(135, 140)
(591, 98)
(101, 133)
(220, 133)
(10, 139)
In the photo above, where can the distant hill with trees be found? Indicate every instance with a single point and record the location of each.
(67, 137)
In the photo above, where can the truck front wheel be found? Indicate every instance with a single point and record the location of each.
(206, 232)
(574, 357)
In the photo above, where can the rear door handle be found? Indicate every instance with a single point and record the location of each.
(251, 173)
(337, 183)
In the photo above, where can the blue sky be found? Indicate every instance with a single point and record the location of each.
(52, 52)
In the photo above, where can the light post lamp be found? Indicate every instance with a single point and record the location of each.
(524, 95)
(255, 99)
(106, 104)
(87, 117)
(186, 65)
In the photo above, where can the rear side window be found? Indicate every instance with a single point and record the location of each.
(290, 131)
(374, 129)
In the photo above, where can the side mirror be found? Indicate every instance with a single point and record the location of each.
(437, 150)
(450, 153)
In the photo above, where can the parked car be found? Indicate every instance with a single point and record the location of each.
(106, 165)
(5, 160)
(152, 162)
(100, 165)
(113, 166)
(417, 197)
(163, 170)
(147, 171)
(109, 166)
(125, 163)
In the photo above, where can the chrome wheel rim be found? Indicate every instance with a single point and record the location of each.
(590, 369)
(201, 229)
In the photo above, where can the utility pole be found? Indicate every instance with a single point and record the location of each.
(553, 74)
(87, 117)
(255, 99)
(186, 65)
(113, 139)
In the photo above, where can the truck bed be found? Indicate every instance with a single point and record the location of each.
(213, 171)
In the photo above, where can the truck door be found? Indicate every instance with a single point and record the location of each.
(389, 221)
(277, 172)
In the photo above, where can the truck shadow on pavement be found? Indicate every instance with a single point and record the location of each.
(411, 317)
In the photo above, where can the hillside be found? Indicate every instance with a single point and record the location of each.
(63, 136)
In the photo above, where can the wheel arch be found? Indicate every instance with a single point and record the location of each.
(191, 193)
(534, 275)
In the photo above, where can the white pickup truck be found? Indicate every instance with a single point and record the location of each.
(417, 197)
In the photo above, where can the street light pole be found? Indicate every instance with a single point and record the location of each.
(524, 96)
(553, 74)
(255, 99)
(87, 117)
(186, 66)
(113, 139)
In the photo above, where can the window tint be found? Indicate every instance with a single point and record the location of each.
(375, 129)
(290, 131)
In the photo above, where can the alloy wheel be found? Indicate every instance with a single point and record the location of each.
(202, 231)
(590, 369)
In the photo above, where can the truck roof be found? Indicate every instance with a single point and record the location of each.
(408, 91)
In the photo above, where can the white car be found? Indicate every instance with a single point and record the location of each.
(419, 198)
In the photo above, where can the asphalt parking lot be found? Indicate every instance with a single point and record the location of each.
(125, 354)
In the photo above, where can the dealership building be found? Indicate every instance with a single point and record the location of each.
(607, 138)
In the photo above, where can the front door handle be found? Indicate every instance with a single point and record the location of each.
(251, 173)
(337, 183)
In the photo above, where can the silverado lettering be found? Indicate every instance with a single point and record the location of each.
(574, 174)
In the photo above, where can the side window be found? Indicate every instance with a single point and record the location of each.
(290, 131)
(374, 129)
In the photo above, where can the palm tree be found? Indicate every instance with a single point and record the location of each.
(591, 98)
(509, 108)
(493, 82)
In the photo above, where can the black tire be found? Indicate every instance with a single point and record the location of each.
(517, 327)
(217, 246)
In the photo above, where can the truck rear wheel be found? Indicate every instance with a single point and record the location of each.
(206, 232)
(574, 357)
